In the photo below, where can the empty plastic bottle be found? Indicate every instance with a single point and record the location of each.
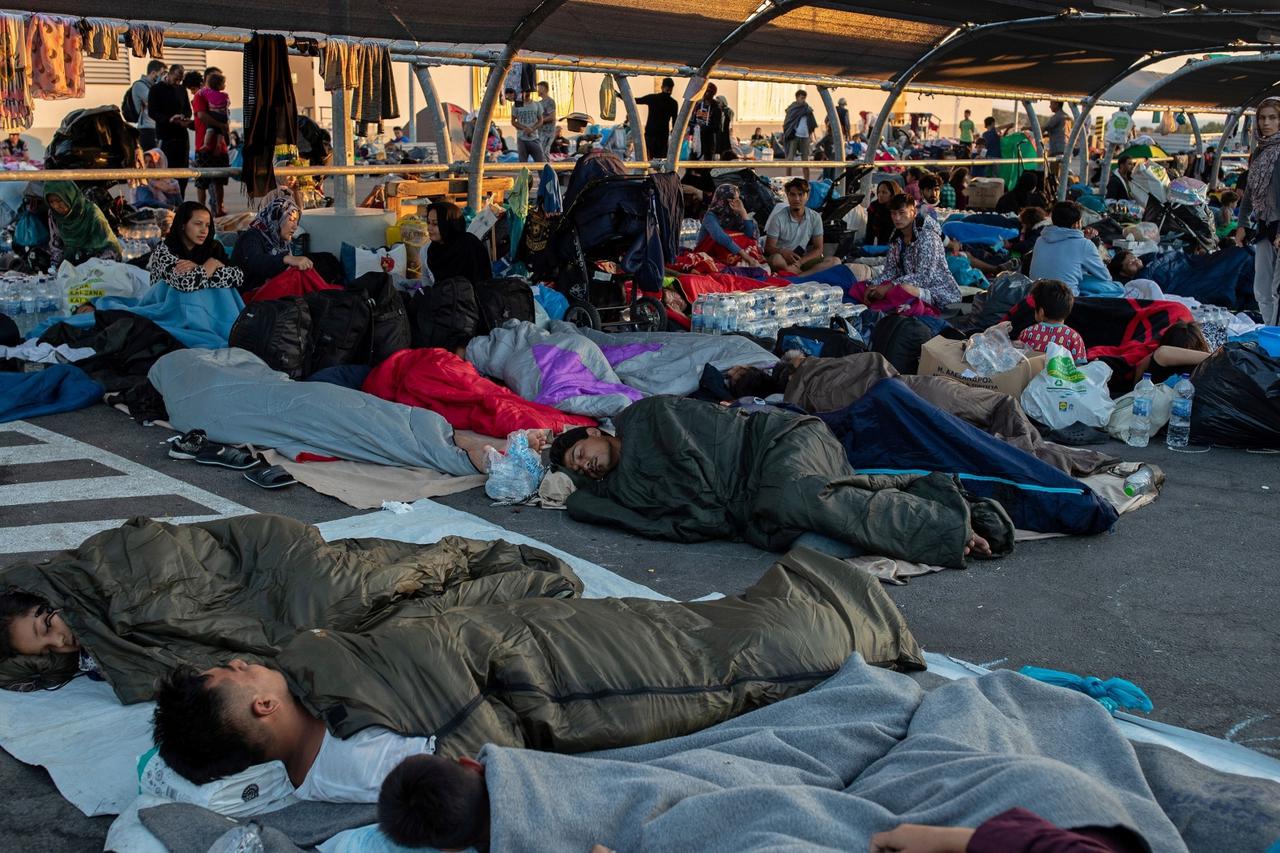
(1143, 395)
(1179, 432)
(1139, 482)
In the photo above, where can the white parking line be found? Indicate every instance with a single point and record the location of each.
(134, 480)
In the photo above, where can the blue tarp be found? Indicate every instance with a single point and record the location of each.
(1222, 278)
(976, 233)
(201, 319)
(893, 430)
(58, 388)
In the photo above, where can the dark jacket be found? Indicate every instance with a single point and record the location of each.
(586, 674)
(253, 255)
(166, 101)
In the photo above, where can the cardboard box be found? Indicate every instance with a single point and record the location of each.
(984, 193)
(945, 357)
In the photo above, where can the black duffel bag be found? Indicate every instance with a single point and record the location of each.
(278, 332)
(444, 315)
(503, 299)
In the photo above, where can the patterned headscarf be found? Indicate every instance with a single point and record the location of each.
(278, 207)
(1262, 168)
(724, 196)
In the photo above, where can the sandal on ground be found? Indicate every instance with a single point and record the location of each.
(196, 447)
(274, 477)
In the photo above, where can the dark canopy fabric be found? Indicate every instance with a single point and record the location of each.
(1220, 84)
(1054, 53)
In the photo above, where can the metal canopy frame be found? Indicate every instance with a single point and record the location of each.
(1194, 67)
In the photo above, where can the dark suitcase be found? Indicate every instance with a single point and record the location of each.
(389, 330)
(278, 332)
(444, 315)
(340, 321)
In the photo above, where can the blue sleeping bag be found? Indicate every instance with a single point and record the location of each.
(972, 233)
(199, 319)
(1222, 278)
(891, 430)
(57, 388)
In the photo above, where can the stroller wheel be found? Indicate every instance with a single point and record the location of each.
(648, 315)
(583, 315)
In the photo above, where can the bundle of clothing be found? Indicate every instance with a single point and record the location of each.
(365, 68)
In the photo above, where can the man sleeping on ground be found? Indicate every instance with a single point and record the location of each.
(339, 710)
(690, 471)
(837, 768)
(131, 603)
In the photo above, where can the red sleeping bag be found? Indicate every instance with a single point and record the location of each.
(438, 380)
(291, 282)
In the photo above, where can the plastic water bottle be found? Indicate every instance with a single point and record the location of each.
(1180, 414)
(696, 319)
(1139, 482)
(1143, 395)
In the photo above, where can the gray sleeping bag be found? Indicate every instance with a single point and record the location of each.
(236, 398)
(672, 362)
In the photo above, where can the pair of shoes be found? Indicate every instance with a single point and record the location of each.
(196, 447)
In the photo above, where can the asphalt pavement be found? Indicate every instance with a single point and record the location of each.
(1180, 598)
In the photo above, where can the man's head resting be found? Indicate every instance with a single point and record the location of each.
(586, 451)
(215, 723)
(430, 801)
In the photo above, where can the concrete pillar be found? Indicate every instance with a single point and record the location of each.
(344, 186)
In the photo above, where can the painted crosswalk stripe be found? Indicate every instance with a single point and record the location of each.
(107, 485)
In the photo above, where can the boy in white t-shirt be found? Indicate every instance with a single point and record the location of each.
(793, 234)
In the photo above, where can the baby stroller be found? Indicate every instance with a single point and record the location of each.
(1181, 207)
(617, 234)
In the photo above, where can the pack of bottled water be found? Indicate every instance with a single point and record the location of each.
(29, 300)
(763, 312)
(689, 230)
(137, 239)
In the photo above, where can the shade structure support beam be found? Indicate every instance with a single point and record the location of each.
(1082, 163)
(623, 84)
(1033, 122)
(344, 186)
(1195, 132)
(837, 129)
(493, 88)
(1228, 128)
(444, 145)
(1195, 66)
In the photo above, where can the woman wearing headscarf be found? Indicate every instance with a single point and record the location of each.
(262, 250)
(157, 192)
(727, 229)
(1262, 203)
(191, 258)
(78, 230)
(453, 250)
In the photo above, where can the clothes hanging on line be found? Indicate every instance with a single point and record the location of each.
(102, 37)
(270, 111)
(16, 108)
(145, 39)
(365, 68)
(56, 69)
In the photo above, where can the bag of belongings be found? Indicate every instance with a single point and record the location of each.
(1237, 400)
(1065, 393)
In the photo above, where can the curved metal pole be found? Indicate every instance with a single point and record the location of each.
(1199, 137)
(691, 92)
(1082, 163)
(498, 73)
(1228, 127)
(444, 145)
(1033, 122)
(837, 130)
(633, 115)
(1077, 132)
(1196, 65)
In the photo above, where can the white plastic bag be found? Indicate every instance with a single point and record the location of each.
(1063, 394)
(98, 277)
(260, 788)
(515, 475)
(1120, 425)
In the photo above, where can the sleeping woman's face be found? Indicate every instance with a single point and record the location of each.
(289, 225)
(41, 630)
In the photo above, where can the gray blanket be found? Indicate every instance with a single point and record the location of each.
(236, 398)
(672, 362)
(859, 754)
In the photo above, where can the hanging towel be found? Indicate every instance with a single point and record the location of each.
(270, 111)
(144, 39)
(56, 68)
(16, 108)
(338, 65)
(375, 96)
(102, 38)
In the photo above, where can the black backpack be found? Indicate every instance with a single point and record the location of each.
(278, 332)
(340, 321)
(444, 315)
(389, 321)
(899, 339)
(503, 299)
(129, 107)
(817, 342)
